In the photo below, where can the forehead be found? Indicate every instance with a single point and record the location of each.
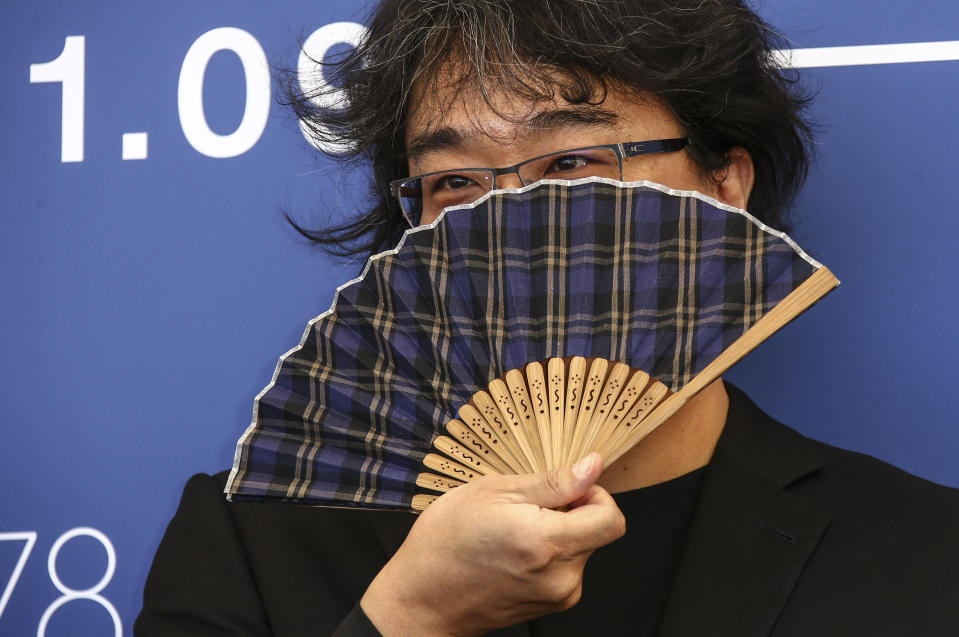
(450, 116)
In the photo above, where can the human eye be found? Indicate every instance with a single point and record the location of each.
(568, 163)
(452, 182)
(455, 187)
(588, 162)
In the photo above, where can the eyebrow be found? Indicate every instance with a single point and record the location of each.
(447, 138)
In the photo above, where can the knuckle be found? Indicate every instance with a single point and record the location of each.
(573, 598)
(553, 480)
(493, 482)
(618, 525)
(538, 555)
(565, 589)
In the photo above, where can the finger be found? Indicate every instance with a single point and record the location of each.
(561, 486)
(595, 523)
(593, 495)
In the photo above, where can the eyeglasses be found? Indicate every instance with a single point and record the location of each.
(430, 193)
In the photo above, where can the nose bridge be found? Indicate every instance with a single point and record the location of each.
(510, 180)
(508, 177)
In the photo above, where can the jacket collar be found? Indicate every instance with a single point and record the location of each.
(749, 538)
(771, 450)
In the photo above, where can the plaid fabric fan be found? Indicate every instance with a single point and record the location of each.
(434, 338)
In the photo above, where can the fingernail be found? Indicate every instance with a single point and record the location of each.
(582, 468)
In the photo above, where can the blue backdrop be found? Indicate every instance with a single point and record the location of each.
(149, 282)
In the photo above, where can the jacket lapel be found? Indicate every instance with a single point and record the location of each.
(750, 538)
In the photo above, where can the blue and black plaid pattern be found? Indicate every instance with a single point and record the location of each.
(663, 282)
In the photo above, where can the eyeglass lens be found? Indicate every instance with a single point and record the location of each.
(430, 194)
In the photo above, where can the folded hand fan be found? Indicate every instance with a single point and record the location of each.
(517, 334)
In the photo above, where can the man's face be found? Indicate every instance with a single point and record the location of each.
(470, 134)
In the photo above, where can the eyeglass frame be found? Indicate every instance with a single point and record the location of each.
(623, 150)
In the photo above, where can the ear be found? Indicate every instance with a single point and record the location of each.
(737, 179)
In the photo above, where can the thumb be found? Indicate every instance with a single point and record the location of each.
(559, 487)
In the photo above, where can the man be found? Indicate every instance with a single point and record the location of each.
(729, 523)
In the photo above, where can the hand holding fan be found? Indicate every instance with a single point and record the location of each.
(633, 297)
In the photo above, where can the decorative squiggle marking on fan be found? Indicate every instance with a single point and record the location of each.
(613, 399)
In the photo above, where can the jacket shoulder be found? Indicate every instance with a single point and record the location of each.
(263, 568)
(840, 479)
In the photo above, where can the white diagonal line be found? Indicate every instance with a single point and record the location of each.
(29, 538)
(869, 54)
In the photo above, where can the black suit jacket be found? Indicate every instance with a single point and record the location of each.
(790, 537)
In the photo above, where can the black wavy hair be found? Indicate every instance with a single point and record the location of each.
(708, 61)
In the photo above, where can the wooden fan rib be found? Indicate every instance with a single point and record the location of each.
(592, 388)
(422, 500)
(459, 453)
(556, 372)
(517, 412)
(434, 482)
(612, 387)
(652, 396)
(539, 403)
(574, 396)
(450, 468)
(491, 406)
(498, 434)
(470, 440)
(622, 407)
